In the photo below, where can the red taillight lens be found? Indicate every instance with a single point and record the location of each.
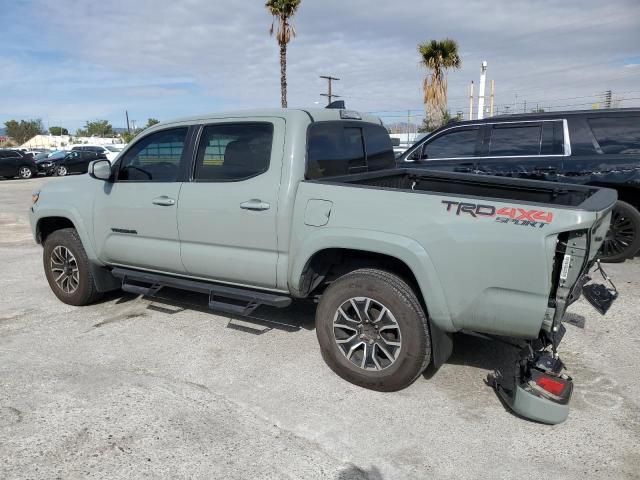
(551, 385)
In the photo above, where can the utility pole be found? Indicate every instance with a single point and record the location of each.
(607, 99)
(524, 108)
(329, 93)
(483, 79)
(126, 112)
(471, 101)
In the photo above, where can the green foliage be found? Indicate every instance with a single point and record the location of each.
(128, 136)
(429, 125)
(282, 12)
(98, 128)
(437, 56)
(23, 130)
(151, 122)
(58, 131)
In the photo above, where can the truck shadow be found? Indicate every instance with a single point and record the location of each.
(467, 350)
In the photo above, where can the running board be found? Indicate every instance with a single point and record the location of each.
(153, 282)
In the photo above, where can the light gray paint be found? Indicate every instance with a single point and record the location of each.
(472, 274)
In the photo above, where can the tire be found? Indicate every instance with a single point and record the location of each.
(388, 367)
(61, 170)
(78, 289)
(623, 238)
(25, 172)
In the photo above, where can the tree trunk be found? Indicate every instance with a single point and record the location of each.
(283, 74)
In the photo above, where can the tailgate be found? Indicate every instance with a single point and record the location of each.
(576, 253)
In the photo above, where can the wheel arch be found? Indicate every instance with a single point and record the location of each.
(329, 254)
(47, 224)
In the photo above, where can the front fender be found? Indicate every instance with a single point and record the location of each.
(402, 248)
(71, 213)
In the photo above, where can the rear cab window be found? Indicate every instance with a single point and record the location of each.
(344, 147)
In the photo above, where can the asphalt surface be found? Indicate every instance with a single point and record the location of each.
(133, 388)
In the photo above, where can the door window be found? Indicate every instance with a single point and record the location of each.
(617, 134)
(456, 143)
(552, 138)
(154, 158)
(511, 140)
(233, 152)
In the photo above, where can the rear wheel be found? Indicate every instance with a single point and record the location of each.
(67, 268)
(623, 238)
(373, 331)
(25, 172)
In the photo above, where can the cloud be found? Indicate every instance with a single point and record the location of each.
(164, 58)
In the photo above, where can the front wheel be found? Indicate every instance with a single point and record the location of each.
(623, 238)
(25, 172)
(67, 268)
(61, 171)
(373, 331)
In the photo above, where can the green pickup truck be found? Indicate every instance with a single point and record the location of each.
(256, 208)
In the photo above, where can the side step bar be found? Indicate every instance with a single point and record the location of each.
(154, 282)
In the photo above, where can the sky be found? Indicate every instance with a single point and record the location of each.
(70, 61)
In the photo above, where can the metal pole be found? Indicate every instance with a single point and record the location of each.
(471, 101)
(483, 79)
(493, 91)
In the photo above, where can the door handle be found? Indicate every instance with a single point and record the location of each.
(255, 204)
(164, 201)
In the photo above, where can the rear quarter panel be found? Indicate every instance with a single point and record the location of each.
(474, 272)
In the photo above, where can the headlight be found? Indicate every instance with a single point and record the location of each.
(34, 197)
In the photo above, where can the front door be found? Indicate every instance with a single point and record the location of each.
(451, 150)
(227, 214)
(135, 216)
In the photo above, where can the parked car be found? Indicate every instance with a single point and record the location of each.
(588, 147)
(14, 163)
(251, 215)
(62, 164)
(104, 151)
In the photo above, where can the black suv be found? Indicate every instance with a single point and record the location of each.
(589, 147)
(14, 163)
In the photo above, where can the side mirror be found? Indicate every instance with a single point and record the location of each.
(100, 169)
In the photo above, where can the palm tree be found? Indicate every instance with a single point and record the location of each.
(437, 56)
(282, 11)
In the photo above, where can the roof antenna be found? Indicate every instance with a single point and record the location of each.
(337, 105)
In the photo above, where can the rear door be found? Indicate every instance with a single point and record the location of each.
(527, 149)
(453, 149)
(135, 216)
(227, 214)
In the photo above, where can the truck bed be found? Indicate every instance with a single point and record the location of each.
(470, 185)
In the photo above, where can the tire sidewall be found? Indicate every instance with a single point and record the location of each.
(633, 214)
(69, 240)
(22, 176)
(415, 343)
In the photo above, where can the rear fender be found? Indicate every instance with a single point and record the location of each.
(401, 248)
